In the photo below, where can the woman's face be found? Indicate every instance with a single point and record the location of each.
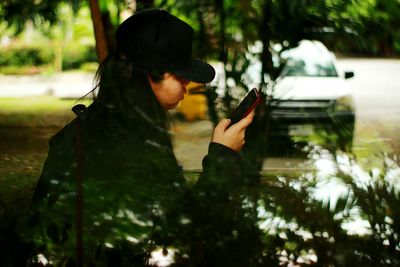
(170, 90)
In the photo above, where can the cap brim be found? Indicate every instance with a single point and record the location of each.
(197, 71)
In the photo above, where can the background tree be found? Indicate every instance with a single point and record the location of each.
(103, 44)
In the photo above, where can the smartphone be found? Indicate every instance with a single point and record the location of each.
(251, 100)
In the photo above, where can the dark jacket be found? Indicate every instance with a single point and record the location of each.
(134, 194)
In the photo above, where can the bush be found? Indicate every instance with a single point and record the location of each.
(75, 56)
(15, 57)
(23, 55)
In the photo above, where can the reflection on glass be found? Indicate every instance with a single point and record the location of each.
(308, 59)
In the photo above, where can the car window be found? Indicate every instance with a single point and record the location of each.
(308, 60)
(315, 68)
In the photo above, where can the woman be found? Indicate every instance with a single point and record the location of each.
(111, 189)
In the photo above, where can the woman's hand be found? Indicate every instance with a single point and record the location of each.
(232, 137)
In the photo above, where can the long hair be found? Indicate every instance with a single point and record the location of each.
(126, 89)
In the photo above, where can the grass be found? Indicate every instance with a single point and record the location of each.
(18, 175)
(40, 111)
(375, 139)
(24, 70)
(26, 124)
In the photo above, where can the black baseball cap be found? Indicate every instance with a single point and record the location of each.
(156, 40)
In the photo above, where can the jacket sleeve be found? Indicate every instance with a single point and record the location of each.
(223, 169)
(219, 210)
(220, 185)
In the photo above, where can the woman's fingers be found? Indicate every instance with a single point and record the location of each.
(222, 125)
(243, 123)
(232, 137)
(219, 135)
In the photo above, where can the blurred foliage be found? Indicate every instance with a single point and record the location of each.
(24, 55)
(69, 44)
(354, 227)
(225, 30)
(17, 13)
(75, 57)
(373, 24)
(12, 58)
(342, 217)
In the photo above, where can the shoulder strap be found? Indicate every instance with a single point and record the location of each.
(80, 111)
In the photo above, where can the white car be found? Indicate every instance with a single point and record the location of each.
(311, 98)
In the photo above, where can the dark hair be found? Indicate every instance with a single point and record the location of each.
(126, 89)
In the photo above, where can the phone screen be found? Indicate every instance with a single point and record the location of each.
(246, 106)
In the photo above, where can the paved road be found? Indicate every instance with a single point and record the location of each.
(376, 87)
(67, 84)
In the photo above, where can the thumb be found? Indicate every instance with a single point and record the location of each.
(223, 124)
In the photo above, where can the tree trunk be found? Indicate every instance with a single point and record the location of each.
(257, 134)
(99, 32)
